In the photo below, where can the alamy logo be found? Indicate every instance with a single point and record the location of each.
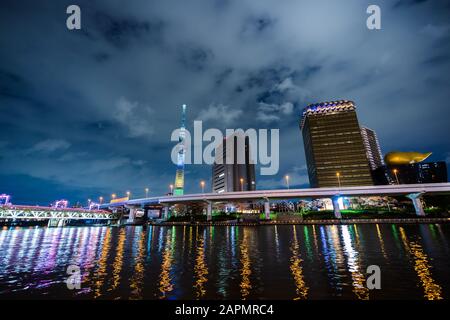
(73, 21)
(74, 279)
(374, 20)
(250, 146)
(374, 280)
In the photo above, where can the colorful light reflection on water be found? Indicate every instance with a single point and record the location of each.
(227, 262)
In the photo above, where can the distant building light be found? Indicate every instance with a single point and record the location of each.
(221, 175)
(62, 204)
(94, 206)
(4, 199)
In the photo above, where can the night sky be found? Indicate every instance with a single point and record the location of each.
(89, 112)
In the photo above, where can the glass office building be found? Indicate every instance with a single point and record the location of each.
(335, 153)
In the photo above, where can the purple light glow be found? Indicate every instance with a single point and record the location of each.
(61, 204)
(4, 199)
(18, 207)
(94, 206)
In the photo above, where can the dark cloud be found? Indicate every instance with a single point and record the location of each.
(193, 57)
(405, 3)
(122, 32)
(254, 26)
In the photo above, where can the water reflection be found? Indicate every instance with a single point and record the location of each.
(432, 291)
(277, 242)
(102, 264)
(118, 260)
(245, 265)
(358, 278)
(136, 284)
(307, 240)
(270, 262)
(296, 269)
(165, 280)
(201, 270)
(380, 239)
(333, 257)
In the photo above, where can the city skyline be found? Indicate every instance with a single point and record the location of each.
(89, 114)
(225, 158)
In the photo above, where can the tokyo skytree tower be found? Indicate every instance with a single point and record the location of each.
(179, 178)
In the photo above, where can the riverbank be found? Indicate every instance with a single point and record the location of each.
(302, 222)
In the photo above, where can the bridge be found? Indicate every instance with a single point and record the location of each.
(55, 216)
(412, 191)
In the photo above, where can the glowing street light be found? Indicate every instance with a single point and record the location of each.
(113, 196)
(396, 176)
(101, 200)
(202, 184)
(338, 175)
(171, 188)
(128, 194)
(242, 184)
(146, 192)
(287, 181)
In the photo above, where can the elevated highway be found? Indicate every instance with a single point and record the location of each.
(412, 191)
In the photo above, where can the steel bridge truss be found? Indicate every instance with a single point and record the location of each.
(36, 214)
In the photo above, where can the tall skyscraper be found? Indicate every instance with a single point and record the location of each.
(227, 174)
(372, 146)
(179, 177)
(334, 148)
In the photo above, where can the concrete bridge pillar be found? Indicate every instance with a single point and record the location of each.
(61, 222)
(165, 212)
(266, 209)
(417, 202)
(208, 211)
(53, 223)
(336, 209)
(132, 215)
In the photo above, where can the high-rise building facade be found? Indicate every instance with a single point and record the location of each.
(334, 148)
(373, 149)
(227, 174)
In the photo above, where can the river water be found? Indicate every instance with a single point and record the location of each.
(226, 262)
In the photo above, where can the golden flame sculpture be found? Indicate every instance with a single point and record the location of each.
(397, 157)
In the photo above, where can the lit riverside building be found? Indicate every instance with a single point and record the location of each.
(372, 146)
(334, 145)
(226, 177)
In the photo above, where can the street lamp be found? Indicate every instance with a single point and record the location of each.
(242, 184)
(287, 181)
(146, 192)
(113, 196)
(128, 194)
(396, 176)
(202, 184)
(101, 200)
(338, 175)
(171, 189)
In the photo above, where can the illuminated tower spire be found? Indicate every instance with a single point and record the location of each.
(179, 178)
